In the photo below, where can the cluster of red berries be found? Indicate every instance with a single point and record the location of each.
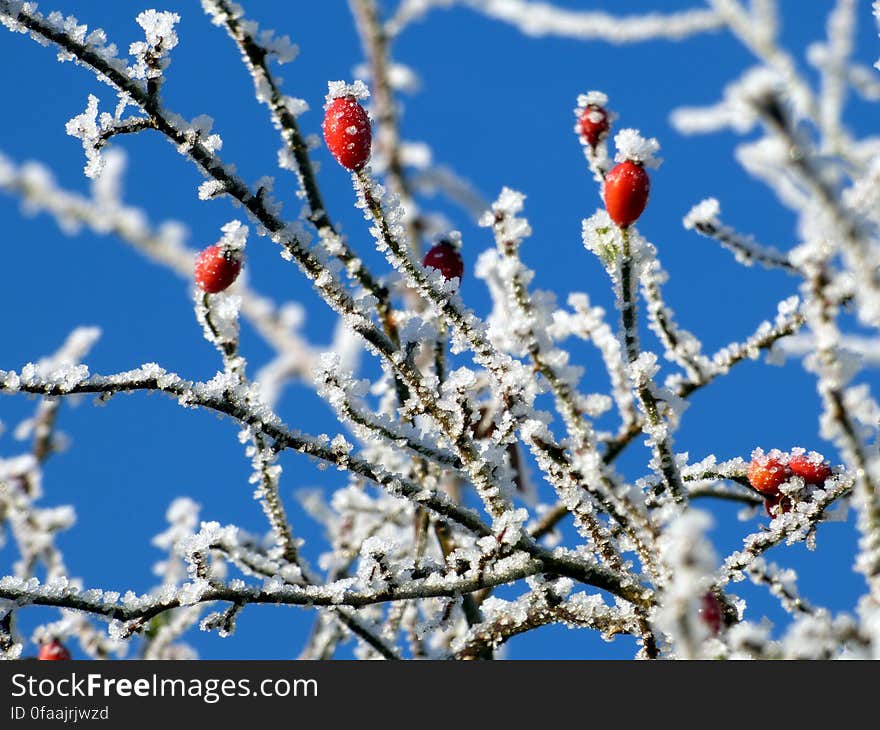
(627, 185)
(53, 650)
(768, 472)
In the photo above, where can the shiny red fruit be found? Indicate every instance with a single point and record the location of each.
(777, 505)
(626, 192)
(347, 132)
(767, 473)
(811, 472)
(712, 612)
(216, 269)
(53, 651)
(593, 124)
(445, 257)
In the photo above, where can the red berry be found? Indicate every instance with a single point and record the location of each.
(712, 612)
(445, 257)
(216, 269)
(767, 472)
(347, 132)
(593, 124)
(812, 472)
(53, 650)
(778, 504)
(626, 192)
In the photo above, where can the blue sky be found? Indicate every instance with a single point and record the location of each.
(496, 106)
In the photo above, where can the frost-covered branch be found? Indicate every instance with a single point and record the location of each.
(704, 219)
(224, 396)
(376, 43)
(506, 619)
(781, 583)
(141, 608)
(839, 421)
(641, 374)
(545, 19)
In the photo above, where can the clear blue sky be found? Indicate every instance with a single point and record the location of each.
(494, 104)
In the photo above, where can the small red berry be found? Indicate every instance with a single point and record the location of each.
(626, 192)
(593, 124)
(766, 474)
(53, 650)
(445, 257)
(216, 269)
(712, 612)
(347, 132)
(812, 472)
(778, 504)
